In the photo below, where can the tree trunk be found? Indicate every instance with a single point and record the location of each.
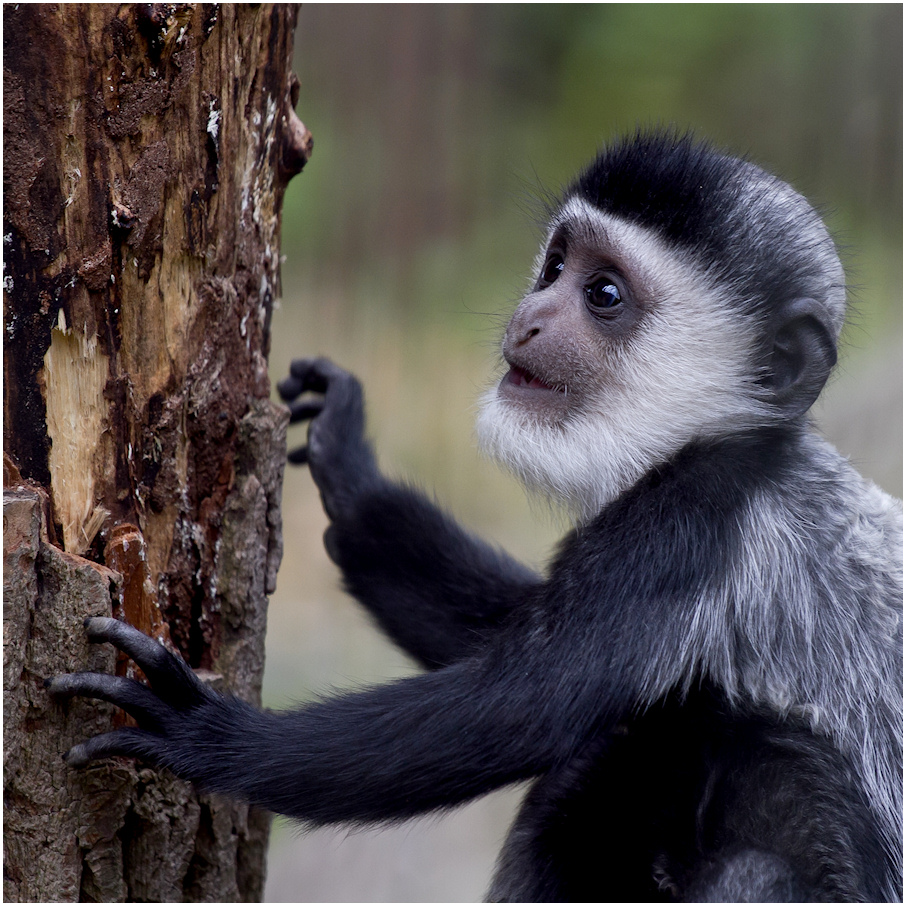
(146, 151)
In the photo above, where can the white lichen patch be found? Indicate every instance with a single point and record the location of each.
(213, 127)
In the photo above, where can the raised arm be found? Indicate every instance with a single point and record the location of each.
(436, 590)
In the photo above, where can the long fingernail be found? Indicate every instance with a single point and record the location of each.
(76, 757)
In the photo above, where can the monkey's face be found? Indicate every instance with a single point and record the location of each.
(565, 340)
(622, 353)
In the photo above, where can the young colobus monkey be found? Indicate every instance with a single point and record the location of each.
(705, 687)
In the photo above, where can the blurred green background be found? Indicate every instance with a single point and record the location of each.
(409, 238)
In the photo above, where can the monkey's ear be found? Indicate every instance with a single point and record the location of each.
(802, 355)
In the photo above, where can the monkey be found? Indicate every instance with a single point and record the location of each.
(704, 687)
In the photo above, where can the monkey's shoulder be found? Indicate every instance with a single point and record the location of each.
(769, 526)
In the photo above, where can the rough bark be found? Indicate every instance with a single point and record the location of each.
(146, 152)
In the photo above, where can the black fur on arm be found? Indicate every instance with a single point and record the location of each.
(436, 590)
(387, 753)
(593, 643)
(563, 668)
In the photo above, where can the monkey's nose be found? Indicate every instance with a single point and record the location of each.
(532, 317)
(518, 335)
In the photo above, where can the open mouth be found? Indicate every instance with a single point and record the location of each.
(522, 378)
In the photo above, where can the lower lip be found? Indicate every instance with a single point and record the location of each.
(515, 377)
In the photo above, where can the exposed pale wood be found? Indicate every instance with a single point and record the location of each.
(75, 374)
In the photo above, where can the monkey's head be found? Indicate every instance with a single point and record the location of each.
(681, 295)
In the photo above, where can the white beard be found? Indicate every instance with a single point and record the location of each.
(586, 461)
(687, 375)
(572, 465)
(673, 390)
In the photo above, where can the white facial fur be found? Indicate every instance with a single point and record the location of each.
(686, 373)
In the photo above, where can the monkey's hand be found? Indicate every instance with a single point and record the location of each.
(341, 461)
(175, 721)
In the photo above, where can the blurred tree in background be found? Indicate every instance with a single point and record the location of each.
(411, 234)
(433, 118)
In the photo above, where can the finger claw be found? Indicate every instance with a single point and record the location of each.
(301, 368)
(302, 411)
(63, 686)
(144, 650)
(289, 388)
(312, 373)
(98, 628)
(77, 756)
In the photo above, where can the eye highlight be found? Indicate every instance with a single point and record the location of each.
(603, 293)
(552, 269)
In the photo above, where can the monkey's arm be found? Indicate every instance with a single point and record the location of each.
(436, 590)
(608, 633)
(412, 746)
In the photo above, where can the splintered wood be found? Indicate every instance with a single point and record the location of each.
(75, 373)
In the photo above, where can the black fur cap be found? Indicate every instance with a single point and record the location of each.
(754, 233)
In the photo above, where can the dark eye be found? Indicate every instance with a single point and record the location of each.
(552, 269)
(603, 293)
